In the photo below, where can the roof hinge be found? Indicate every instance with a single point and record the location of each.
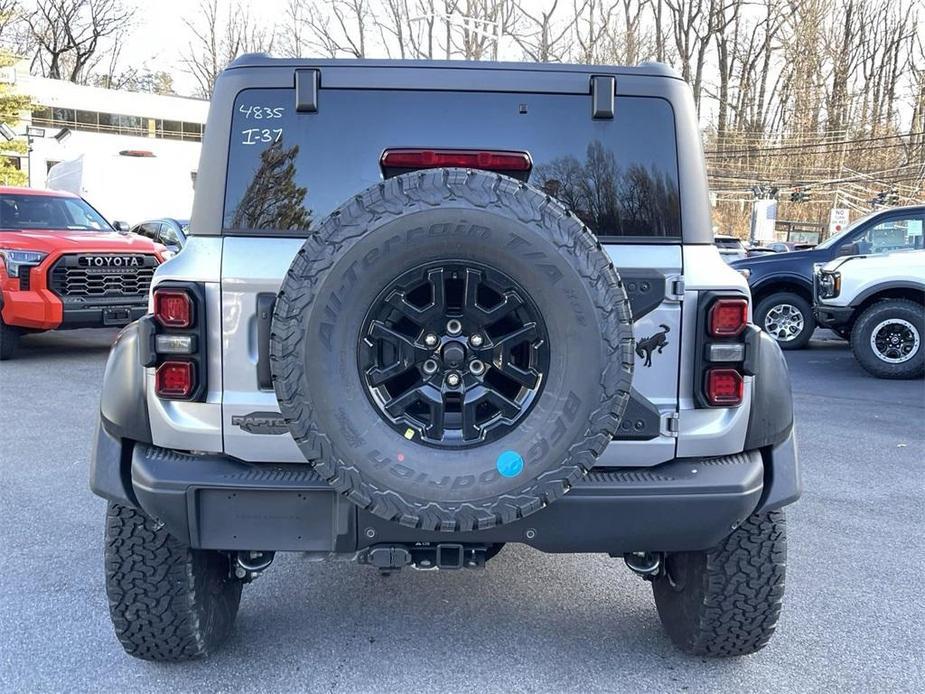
(674, 288)
(670, 424)
(306, 90)
(603, 88)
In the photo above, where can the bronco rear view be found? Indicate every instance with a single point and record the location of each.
(428, 309)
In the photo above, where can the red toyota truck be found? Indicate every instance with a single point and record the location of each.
(62, 265)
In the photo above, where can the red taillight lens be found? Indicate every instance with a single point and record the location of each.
(173, 308)
(724, 387)
(174, 379)
(728, 317)
(471, 159)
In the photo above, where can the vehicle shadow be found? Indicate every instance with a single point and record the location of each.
(529, 622)
(65, 343)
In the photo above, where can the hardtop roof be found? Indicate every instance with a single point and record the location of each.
(263, 60)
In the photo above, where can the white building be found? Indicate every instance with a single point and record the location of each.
(107, 122)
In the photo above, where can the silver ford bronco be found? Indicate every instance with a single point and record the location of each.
(427, 309)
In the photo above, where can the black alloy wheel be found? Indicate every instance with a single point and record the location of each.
(453, 353)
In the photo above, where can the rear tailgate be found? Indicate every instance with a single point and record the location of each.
(288, 168)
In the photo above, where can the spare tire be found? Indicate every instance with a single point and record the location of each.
(452, 349)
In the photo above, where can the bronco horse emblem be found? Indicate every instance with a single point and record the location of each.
(658, 341)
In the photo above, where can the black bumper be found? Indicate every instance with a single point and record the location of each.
(216, 502)
(833, 316)
(101, 312)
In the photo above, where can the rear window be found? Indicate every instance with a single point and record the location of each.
(728, 243)
(288, 170)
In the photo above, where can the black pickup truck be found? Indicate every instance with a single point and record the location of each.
(782, 283)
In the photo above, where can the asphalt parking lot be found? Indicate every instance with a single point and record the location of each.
(853, 619)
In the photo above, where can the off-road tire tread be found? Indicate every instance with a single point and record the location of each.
(167, 602)
(860, 341)
(392, 199)
(735, 609)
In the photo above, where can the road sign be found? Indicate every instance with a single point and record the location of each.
(838, 220)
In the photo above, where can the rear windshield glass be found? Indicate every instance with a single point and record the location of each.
(287, 170)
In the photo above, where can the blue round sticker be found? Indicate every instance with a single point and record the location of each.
(510, 464)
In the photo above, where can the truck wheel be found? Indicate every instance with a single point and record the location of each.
(726, 601)
(887, 339)
(167, 601)
(786, 317)
(9, 339)
(452, 350)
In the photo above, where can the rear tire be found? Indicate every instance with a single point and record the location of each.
(9, 340)
(788, 318)
(167, 602)
(726, 601)
(875, 327)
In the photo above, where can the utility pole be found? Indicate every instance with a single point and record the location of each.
(492, 28)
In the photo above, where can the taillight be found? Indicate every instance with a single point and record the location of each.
(722, 358)
(175, 379)
(728, 317)
(174, 341)
(469, 159)
(724, 387)
(173, 308)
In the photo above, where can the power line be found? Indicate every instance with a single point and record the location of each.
(717, 152)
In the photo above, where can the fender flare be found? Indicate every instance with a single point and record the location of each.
(769, 281)
(123, 416)
(770, 421)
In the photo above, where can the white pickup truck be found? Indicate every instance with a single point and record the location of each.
(878, 303)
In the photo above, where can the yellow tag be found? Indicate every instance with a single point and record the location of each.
(409, 434)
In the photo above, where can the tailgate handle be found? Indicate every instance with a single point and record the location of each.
(602, 93)
(265, 303)
(306, 90)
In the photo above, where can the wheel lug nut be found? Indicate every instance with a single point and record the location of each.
(453, 327)
(476, 340)
(477, 367)
(430, 367)
(430, 340)
(452, 380)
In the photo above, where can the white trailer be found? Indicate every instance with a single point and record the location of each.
(128, 186)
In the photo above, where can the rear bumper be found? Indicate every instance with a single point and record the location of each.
(216, 502)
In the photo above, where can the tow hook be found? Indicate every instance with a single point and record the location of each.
(249, 565)
(645, 564)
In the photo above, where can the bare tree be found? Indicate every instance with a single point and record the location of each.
(592, 23)
(421, 39)
(545, 38)
(338, 28)
(726, 34)
(292, 41)
(218, 37)
(475, 27)
(11, 15)
(70, 36)
(693, 24)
